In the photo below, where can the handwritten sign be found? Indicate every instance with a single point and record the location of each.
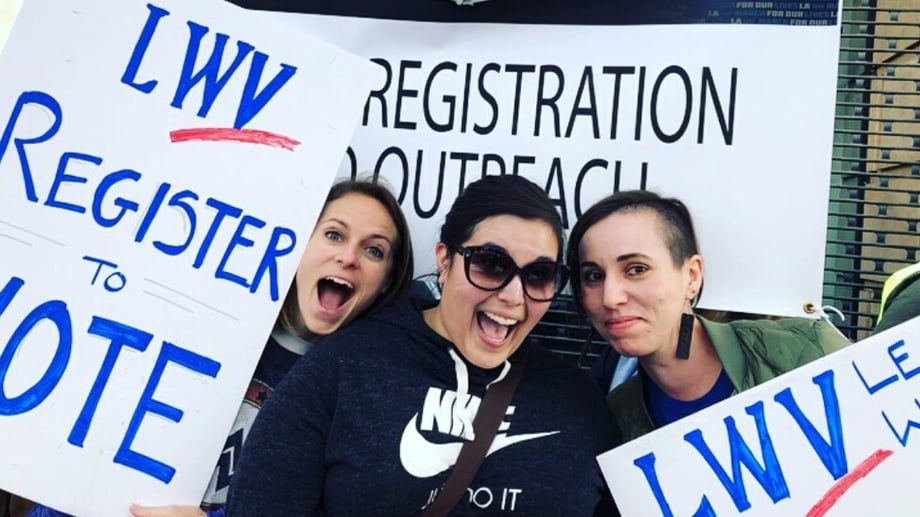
(161, 167)
(835, 437)
(679, 101)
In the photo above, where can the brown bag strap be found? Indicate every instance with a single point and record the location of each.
(485, 425)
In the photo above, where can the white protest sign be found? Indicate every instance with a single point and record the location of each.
(161, 167)
(734, 119)
(835, 437)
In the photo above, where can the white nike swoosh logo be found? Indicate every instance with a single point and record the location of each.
(424, 459)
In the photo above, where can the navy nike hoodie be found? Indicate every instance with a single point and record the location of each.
(371, 422)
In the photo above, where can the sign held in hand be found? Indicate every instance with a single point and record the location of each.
(161, 166)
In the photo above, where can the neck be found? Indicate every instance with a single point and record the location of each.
(432, 317)
(301, 332)
(290, 341)
(685, 379)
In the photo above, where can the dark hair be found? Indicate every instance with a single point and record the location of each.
(401, 269)
(679, 237)
(499, 195)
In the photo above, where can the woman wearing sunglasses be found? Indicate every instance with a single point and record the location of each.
(373, 424)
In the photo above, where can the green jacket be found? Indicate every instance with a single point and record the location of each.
(752, 352)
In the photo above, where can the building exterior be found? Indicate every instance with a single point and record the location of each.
(874, 211)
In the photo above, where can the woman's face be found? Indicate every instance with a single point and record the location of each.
(347, 262)
(488, 326)
(631, 289)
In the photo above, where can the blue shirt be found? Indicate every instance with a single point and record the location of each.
(665, 409)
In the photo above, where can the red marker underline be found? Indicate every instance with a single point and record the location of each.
(846, 482)
(229, 134)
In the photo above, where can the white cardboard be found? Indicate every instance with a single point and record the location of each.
(867, 394)
(759, 203)
(67, 68)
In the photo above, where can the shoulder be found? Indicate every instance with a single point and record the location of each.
(548, 368)
(558, 376)
(560, 393)
(398, 318)
(769, 348)
(626, 393)
(902, 305)
(627, 404)
(801, 333)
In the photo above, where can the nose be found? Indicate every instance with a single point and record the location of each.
(513, 293)
(614, 292)
(347, 257)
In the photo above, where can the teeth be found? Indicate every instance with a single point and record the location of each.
(500, 320)
(340, 282)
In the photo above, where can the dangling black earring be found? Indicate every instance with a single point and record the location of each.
(685, 335)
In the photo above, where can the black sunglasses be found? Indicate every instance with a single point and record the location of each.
(491, 269)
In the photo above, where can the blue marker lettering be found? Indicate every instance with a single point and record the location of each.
(269, 260)
(223, 209)
(140, 48)
(26, 98)
(54, 311)
(169, 353)
(900, 359)
(63, 177)
(705, 509)
(177, 200)
(832, 452)
(877, 386)
(237, 240)
(209, 72)
(647, 465)
(9, 292)
(911, 424)
(770, 476)
(119, 335)
(155, 204)
(251, 103)
(103, 189)
(101, 263)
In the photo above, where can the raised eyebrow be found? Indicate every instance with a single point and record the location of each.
(632, 256)
(622, 258)
(334, 220)
(347, 227)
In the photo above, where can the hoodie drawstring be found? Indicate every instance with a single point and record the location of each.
(467, 412)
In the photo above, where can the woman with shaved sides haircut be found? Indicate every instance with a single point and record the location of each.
(638, 276)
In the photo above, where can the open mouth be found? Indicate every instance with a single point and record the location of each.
(496, 328)
(334, 292)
